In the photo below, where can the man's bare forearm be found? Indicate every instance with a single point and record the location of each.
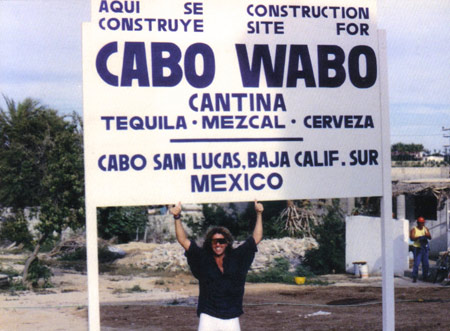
(258, 230)
(179, 229)
(181, 235)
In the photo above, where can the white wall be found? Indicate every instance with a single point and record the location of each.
(409, 173)
(439, 230)
(363, 243)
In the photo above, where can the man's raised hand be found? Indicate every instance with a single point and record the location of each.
(176, 210)
(259, 208)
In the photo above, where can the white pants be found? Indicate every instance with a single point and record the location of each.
(209, 323)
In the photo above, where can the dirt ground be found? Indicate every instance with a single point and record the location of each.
(348, 304)
(168, 303)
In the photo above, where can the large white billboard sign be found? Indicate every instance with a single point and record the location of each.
(214, 101)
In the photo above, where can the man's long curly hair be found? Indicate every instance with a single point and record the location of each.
(224, 232)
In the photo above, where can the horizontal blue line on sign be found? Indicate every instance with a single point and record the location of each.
(232, 140)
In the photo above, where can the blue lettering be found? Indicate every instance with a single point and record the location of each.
(326, 64)
(170, 62)
(371, 66)
(112, 163)
(136, 123)
(116, 7)
(108, 120)
(101, 64)
(232, 182)
(235, 182)
(136, 159)
(122, 162)
(195, 8)
(163, 56)
(100, 163)
(277, 184)
(209, 68)
(200, 186)
(134, 57)
(330, 63)
(121, 123)
(252, 182)
(103, 6)
(218, 183)
(250, 74)
(174, 161)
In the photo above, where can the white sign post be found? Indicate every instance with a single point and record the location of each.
(217, 101)
(387, 245)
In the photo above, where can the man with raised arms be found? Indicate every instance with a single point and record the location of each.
(221, 271)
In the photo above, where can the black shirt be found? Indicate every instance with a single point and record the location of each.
(221, 294)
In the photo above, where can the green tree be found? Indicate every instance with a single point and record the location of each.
(272, 228)
(330, 235)
(121, 222)
(14, 228)
(405, 152)
(41, 167)
(218, 215)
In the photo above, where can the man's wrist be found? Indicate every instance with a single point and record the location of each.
(177, 217)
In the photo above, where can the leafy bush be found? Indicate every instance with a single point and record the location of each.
(38, 271)
(271, 227)
(239, 224)
(278, 273)
(136, 288)
(304, 271)
(104, 255)
(217, 215)
(15, 229)
(77, 255)
(330, 235)
(121, 222)
(16, 286)
(10, 272)
(197, 227)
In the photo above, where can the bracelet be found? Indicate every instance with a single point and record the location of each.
(177, 217)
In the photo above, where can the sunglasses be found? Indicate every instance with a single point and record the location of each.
(221, 241)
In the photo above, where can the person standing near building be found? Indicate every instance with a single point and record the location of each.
(221, 271)
(420, 235)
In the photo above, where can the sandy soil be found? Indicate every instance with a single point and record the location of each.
(168, 303)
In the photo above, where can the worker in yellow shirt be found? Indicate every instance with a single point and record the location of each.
(420, 235)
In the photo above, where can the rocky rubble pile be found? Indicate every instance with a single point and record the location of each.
(292, 249)
(170, 256)
(167, 256)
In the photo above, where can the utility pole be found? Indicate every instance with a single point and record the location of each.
(446, 147)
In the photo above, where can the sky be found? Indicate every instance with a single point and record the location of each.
(40, 57)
